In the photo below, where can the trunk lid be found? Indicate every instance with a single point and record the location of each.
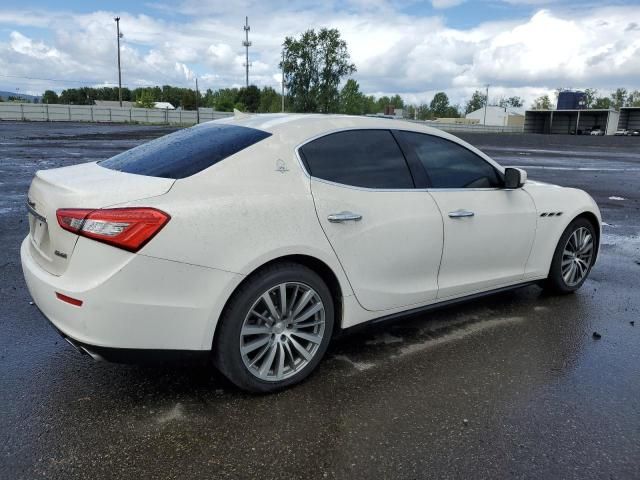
(80, 186)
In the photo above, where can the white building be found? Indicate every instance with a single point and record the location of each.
(498, 116)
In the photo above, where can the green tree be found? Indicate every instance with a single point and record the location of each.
(439, 106)
(313, 67)
(633, 99)
(224, 100)
(145, 99)
(250, 98)
(602, 102)
(49, 96)
(270, 101)
(207, 99)
(396, 101)
(424, 112)
(619, 98)
(590, 97)
(382, 103)
(542, 103)
(188, 99)
(352, 101)
(514, 102)
(370, 105)
(476, 102)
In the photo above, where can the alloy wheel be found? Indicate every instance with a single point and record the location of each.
(282, 331)
(577, 256)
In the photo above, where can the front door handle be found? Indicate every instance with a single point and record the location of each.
(461, 213)
(344, 217)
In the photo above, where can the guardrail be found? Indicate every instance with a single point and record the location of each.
(42, 112)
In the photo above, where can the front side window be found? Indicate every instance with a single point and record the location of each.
(448, 164)
(185, 152)
(361, 158)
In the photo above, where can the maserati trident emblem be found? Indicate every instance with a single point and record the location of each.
(281, 166)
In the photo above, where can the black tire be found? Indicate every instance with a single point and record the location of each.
(226, 345)
(555, 282)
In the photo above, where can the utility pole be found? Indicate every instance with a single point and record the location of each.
(246, 45)
(119, 36)
(282, 96)
(197, 106)
(486, 102)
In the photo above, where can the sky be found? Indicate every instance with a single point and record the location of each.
(413, 48)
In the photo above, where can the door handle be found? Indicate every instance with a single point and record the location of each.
(460, 213)
(344, 217)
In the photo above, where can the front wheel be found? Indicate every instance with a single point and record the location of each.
(573, 257)
(275, 329)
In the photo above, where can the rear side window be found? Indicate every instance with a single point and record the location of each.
(362, 158)
(448, 164)
(185, 152)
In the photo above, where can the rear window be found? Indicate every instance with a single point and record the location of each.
(186, 152)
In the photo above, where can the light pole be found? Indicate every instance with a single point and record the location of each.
(246, 45)
(486, 102)
(118, 37)
(197, 106)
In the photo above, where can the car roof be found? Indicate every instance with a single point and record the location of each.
(306, 126)
(296, 129)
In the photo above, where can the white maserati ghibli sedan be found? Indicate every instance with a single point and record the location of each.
(255, 239)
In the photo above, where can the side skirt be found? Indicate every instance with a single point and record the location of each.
(433, 307)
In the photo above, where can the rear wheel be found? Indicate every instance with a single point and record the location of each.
(573, 257)
(275, 329)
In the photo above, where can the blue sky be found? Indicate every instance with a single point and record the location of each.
(520, 47)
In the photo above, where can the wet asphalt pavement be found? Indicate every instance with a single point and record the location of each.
(510, 386)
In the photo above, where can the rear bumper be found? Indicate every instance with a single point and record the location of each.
(137, 302)
(132, 355)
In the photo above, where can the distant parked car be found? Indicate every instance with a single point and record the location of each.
(634, 133)
(597, 131)
(622, 132)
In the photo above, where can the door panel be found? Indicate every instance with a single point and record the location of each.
(488, 249)
(392, 254)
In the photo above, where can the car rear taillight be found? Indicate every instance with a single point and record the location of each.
(126, 228)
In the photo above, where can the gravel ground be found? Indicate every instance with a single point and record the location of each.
(510, 386)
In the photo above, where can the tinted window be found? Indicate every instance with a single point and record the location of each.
(448, 164)
(362, 158)
(185, 152)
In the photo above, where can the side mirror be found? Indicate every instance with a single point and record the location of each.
(514, 178)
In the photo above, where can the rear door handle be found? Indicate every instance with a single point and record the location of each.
(461, 213)
(344, 217)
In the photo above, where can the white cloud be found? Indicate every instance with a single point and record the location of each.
(394, 53)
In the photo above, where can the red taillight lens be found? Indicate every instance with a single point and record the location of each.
(127, 228)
